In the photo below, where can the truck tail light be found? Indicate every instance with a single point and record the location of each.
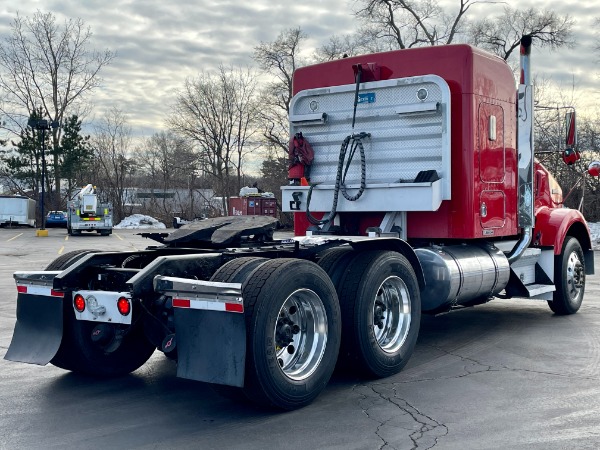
(79, 303)
(124, 306)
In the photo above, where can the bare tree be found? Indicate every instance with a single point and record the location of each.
(243, 91)
(112, 143)
(552, 102)
(400, 24)
(47, 65)
(502, 34)
(279, 58)
(364, 40)
(169, 163)
(581, 191)
(217, 112)
(413, 23)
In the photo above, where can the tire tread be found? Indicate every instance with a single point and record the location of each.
(560, 303)
(352, 353)
(257, 290)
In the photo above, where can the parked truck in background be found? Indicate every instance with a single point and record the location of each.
(17, 210)
(86, 213)
(423, 196)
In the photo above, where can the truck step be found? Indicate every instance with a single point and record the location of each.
(531, 275)
(540, 291)
(524, 267)
(518, 287)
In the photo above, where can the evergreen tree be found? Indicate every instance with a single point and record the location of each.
(74, 154)
(24, 161)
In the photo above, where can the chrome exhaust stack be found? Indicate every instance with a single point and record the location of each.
(525, 151)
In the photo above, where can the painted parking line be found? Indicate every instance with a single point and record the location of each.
(67, 237)
(61, 250)
(14, 237)
(115, 234)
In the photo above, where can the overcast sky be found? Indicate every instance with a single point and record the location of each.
(159, 43)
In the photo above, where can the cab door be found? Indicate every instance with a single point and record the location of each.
(492, 167)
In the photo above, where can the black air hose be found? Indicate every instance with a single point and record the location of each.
(355, 141)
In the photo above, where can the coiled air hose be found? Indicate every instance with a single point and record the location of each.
(354, 141)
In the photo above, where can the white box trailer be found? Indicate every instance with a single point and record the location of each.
(17, 210)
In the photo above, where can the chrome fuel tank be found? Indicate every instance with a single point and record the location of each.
(459, 274)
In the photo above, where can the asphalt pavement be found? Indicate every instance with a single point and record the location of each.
(508, 374)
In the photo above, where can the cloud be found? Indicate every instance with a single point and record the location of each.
(159, 44)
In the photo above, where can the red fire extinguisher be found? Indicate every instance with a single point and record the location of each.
(300, 157)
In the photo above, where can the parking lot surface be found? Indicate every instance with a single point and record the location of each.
(508, 374)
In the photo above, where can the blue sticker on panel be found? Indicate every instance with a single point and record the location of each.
(366, 98)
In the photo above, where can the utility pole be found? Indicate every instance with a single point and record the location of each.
(42, 125)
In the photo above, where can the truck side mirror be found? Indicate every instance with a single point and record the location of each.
(570, 156)
(571, 129)
(594, 168)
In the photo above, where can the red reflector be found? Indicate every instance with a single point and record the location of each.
(79, 303)
(22, 289)
(181, 303)
(234, 307)
(124, 306)
(54, 293)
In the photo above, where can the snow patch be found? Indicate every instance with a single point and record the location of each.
(140, 221)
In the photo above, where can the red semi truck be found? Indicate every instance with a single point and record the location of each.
(423, 196)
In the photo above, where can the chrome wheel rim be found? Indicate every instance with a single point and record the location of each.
(300, 334)
(391, 314)
(575, 276)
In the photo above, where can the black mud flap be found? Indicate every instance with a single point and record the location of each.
(38, 331)
(211, 346)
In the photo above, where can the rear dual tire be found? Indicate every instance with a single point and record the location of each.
(381, 309)
(292, 328)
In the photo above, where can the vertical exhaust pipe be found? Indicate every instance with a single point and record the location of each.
(526, 218)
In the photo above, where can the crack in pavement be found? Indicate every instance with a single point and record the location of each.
(488, 368)
(501, 367)
(425, 429)
(366, 412)
(428, 424)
